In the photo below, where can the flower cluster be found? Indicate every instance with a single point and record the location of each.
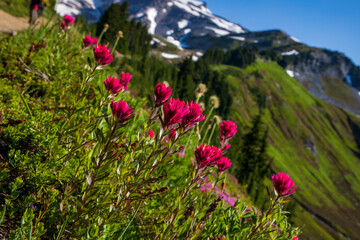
(174, 111)
(121, 111)
(161, 94)
(228, 130)
(125, 79)
(89, 41)
(68, 21)
(283, 184)
(208, 156)
(113, 85)
(193, 116)
(102, 55)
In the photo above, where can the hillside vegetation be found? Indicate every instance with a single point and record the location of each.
(314, 141)
(281, 127)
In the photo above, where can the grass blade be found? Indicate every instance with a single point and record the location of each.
(26, 105)
(132, 219)
(61, 230)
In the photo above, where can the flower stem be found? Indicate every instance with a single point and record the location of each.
(212, 132)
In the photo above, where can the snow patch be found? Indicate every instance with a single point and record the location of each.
(290, 73)
(289, 53)
(152, 13)
(294, 39)
(238, 38)
(194, 58)
(169, 56)
(169, 32)
(164, 10)
(183, 23)
(200, 54)
(227, 25)
(155, 40)
(139, 15)
(177, 43)
(219, 32)
(63, 9)
(187, 30)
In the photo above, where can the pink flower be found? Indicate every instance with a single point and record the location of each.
(125, 79)
(193, 116)
(227, 130)
(227, 146)
(151, 134)
(223, 164)
(295, 238)
(89, 41)
(181, 152)
(113, 85)
(161, 94)
(283, 184)
(207, 155)
(172, 135)
(121, 111)
(69, 20)
(102, 55)
(63, 26)
(174, 110)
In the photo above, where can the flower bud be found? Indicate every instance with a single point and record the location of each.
(200, 90)
(214, 101)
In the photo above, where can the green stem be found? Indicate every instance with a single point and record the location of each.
(114, 47)
(212, 132)
(101, 35)
(206, 133)
(207, 119)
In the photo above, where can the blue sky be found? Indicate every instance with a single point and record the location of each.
(331, 24)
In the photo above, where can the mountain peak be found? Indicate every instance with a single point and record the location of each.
(176, 20)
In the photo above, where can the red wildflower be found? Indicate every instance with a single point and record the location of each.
(181, 152)
(161, 94)
(102, 55)
(295, 238)
(227, 146)
(151, 134)
(125, 79)
(36, 7)
(89, 41)
(121, 111)
(223, 164)
(174, 110)
(63, 26)
(69, 20)
(113, 85)
(283, 184)
(193, 116)
(207, 155)
(227, 130)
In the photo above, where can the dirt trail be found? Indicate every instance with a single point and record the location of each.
(11, 24)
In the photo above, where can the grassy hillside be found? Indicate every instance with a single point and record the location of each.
(315, 142)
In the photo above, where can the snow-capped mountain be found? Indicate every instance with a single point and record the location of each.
(173, 19)
(190, 24)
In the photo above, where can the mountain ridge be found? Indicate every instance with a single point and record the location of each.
(189, 24)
